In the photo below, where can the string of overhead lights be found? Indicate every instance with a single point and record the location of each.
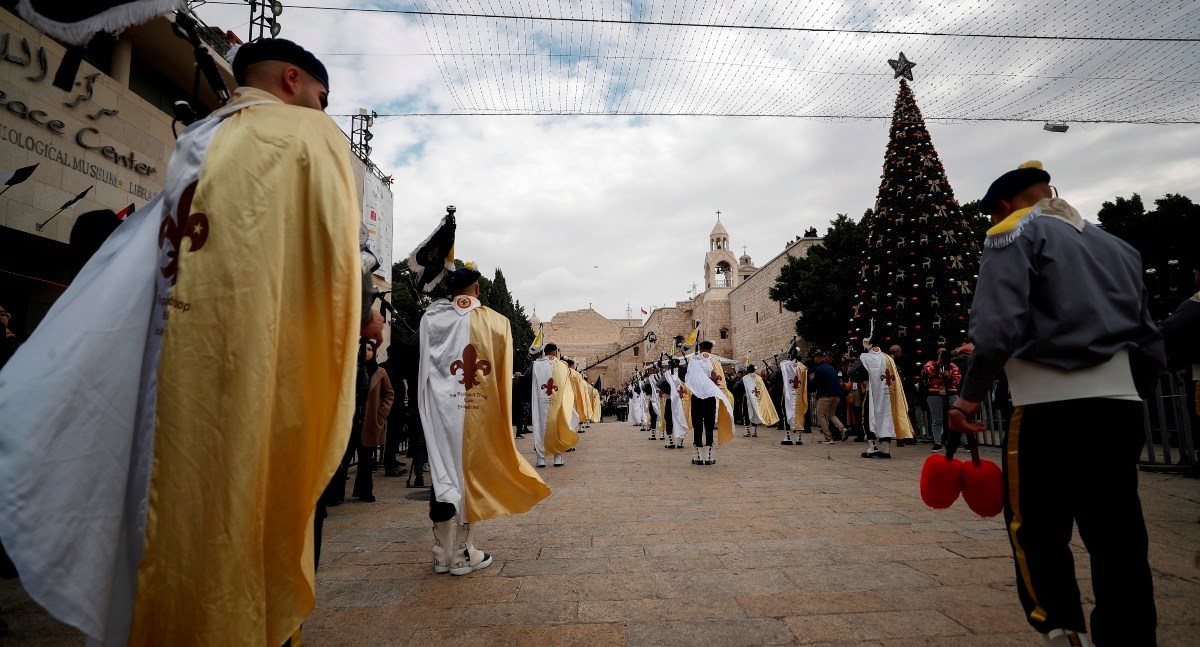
(977, 60)
(665, 23)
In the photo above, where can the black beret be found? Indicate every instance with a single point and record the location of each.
(1011, 183)
(461, 278)
(277, 49)
(706, 345)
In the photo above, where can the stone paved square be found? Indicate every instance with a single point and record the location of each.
(773, 545)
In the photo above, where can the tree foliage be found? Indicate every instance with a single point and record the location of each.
(1165, 237)
(821, 286)
(493, 293)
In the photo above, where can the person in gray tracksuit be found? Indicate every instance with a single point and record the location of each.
(1060, 307)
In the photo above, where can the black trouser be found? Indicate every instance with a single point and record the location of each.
(1076, 462)
(318, 529)
(668, 416)
(439, 511)
(704, 420)
(363, 485)
(391, 446)
(335, 492)
(653, 418)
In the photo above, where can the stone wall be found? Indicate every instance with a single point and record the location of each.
(587, 336)
(756, 327)
(111, 139)
(762, 327)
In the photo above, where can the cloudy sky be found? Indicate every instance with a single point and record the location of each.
(615, 211)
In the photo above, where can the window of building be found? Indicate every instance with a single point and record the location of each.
(724, 333)
(780, 307)
(756, 317)
(636, 351)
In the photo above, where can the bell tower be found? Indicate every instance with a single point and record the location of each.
(720, 265)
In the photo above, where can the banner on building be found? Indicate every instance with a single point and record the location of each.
(377, 216)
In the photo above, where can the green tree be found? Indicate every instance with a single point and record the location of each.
(502, 302)
(1165, 237)
(523, 334)
(408, 302)
(821, 286)
(493, 293)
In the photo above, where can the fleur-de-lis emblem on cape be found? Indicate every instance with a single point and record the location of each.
(550, 387)
(469, 365)
(756, 392)
(795, 381)
(192, 226)
(682, 391)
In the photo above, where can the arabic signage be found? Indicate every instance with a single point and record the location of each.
(41, 126)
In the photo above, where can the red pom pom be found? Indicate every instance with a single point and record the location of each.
(941, 481)
(983, 488)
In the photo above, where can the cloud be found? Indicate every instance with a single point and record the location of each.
(547, 198)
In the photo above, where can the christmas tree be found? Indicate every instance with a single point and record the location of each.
(921, 260)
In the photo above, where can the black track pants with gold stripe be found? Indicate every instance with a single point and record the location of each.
(1069, 462)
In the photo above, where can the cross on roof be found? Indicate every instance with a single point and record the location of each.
(718, 215)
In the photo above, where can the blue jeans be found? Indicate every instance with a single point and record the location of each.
(937, 413)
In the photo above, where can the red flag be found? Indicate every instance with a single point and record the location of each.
(124, 213)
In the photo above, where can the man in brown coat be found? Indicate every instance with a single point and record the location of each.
(373, 433)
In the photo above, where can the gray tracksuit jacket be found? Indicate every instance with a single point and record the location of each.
(1056, 290)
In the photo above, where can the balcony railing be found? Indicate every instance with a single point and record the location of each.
(213, 37)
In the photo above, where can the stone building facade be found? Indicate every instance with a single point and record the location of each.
(762, 328)
(111, 136)
(734, 311)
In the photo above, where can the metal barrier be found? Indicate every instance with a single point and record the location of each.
(1167, 421)
(1169, 445)
(1167, 418)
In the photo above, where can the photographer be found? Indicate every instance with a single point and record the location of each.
(943, 378)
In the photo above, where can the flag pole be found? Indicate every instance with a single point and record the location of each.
(63, 208)
(7, 187)
(40, 225)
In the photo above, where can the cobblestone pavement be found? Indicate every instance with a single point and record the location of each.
(773, 545)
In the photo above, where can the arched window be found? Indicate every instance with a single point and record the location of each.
(723, 279)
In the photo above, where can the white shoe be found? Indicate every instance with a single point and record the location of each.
(885, 448)
(1067, 638)
(558, 460)
(541, 461)
(444, 538)
(467, 558)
